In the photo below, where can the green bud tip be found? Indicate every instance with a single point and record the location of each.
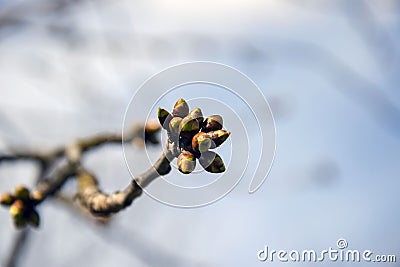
(164, 117)
(21, 192)
(34, 219)
(186, 162)
(213, 123)
(17, 208)
(174, 125)
(218, 137)
(6, 199)
(212, 162)
(181, 108)
(189, 126)
(201, 142)
(197, 114)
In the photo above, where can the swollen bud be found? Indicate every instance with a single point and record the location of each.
(34, 219)
(218, 137)
(19, 222)
(174, 125)
(189, 127)
(181, 108)
(212, 162)
(6, 199)
(197, 114)
(213, 123)
(164, 117)
(186, 162)
(21, 192)
(201, 142)
(17, 209)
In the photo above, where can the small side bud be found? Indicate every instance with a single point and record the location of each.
(37, 196)
(151, 126)
(197, 114)
(146, 133)
(212, 162)
(164, 117)
(186, 162)
(174, 125)
(218, 137)
(181, 108)
(201, 142)
(189, 127)
(21, 192)
(6, 199)
(34, 219)
(213, 123)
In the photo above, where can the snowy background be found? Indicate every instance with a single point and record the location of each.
(330, 70)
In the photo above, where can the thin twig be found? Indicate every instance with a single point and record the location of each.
(84, 144)
(49, 186)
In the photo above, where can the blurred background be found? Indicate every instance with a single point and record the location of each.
(329, 70)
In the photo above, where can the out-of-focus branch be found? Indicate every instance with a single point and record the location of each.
(17, 248)
(49, 186)
(23, 201)
(83, 144)
(42, 158)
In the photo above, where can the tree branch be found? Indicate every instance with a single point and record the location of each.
(83, 144)
(90, 195)
(101, 204)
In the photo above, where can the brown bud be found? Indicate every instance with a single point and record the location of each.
(174, 125)
(34, 219)
(181, 108)
(186, 162)
(37, 196)
(197, 114)
(6, 199)
(164, 118)
(218, 137)
(151, 126)
(213, 123)
(212, 162)
(201, 142)
(21, 192)
(189, 127)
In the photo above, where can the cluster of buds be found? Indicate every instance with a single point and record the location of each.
(22, 206)
(194, 136)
